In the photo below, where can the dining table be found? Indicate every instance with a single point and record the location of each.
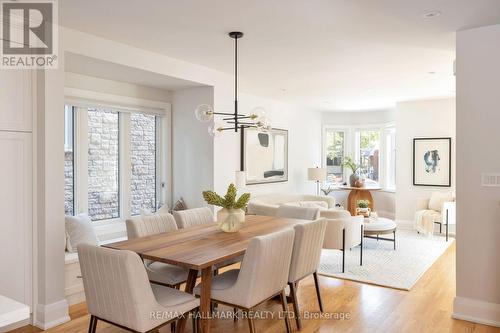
(200, 248)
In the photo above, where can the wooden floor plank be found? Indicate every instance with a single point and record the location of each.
(426, 308)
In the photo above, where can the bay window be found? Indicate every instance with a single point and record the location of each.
(372, 147)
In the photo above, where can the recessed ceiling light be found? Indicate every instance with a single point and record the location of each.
(431, 14)
(431, 72)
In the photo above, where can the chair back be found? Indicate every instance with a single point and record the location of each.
(307, 248)
(150, 225)
(335, 227)
(295, 212)
(195, 216)
(265, 267)
(116, 286)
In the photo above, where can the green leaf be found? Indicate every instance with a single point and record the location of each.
(230, 197)
(242, 201)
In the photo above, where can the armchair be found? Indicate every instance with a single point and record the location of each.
(343, 231)
(438, 209)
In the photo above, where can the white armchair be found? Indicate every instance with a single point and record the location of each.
(343, 231)
(438, 209)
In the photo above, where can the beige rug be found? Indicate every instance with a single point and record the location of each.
(382, 265)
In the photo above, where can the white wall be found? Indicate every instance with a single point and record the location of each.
(353, 118)
(90, 83)
(384, 200)
(478, 136)
(192, 151)
(304, 147)
(416, 119)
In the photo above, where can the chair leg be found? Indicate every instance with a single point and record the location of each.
(295, 303)
(195, 322)
(394, 233)
(172, 326)
(318, 291)
(361, 248)
(285, 310)
(447, 225)
(343, 250)
(92, 324)
(235, 314)
(251, 324)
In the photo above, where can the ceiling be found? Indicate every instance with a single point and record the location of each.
(325, 54)
(76, 63)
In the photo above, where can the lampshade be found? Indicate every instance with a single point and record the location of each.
(240, 179)
(316, 174)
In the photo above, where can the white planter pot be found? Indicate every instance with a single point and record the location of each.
(230, 220)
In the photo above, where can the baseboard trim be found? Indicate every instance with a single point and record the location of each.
(476, 311)
(51, 315)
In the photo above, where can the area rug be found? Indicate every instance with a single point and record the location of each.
(382, 265)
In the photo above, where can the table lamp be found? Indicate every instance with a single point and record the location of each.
(317, 175)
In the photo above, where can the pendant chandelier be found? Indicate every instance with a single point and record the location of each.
(233, 121)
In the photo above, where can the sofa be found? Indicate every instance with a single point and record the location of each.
(268, 204)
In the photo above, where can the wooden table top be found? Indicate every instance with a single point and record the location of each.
(359, 188)
(205, 245)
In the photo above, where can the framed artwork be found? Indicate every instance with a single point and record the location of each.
(265, 155)
(432, 162)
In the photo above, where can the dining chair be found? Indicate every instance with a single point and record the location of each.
(296, 212)
(158, 272)
(192, 217)
(262, 276)
(306, 256)
(343, 231)
(117, 291)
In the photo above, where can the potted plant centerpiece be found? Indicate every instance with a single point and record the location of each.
(232, 215)
(354, 179)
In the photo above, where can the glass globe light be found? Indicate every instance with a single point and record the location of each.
(215, 130)
(256, 113)
(263, 123)
(204, 113)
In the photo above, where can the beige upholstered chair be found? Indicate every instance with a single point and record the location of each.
(263, 275)
(159, 273)
(295, 212)
(438, 209)
(195, 216)
(343, 231)
(305, 260)
(117, 291)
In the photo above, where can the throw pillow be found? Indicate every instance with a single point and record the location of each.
(438, 199)
(79, 230)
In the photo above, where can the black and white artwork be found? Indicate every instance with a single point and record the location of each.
(432, 162)
(265, 155)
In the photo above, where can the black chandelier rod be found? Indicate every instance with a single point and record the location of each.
(236, 83)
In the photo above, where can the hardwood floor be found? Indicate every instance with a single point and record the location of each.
(367, 308)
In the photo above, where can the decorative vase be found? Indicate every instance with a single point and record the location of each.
(230, 220)
(359, 183)
(353, 179)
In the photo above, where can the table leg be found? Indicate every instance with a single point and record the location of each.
(190, 283)
(206, 287)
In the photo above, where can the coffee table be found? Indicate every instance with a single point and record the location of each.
(380, 226)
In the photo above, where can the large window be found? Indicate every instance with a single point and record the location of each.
(373, 148)
(112, 162)
(143, 158)
(368, 153)
(69, 166)
(335, 150)
(103, 164)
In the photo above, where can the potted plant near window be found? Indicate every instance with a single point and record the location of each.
(232, 215)
(354, 179)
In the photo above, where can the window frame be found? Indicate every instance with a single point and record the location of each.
(81, 100)
(351, 147)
